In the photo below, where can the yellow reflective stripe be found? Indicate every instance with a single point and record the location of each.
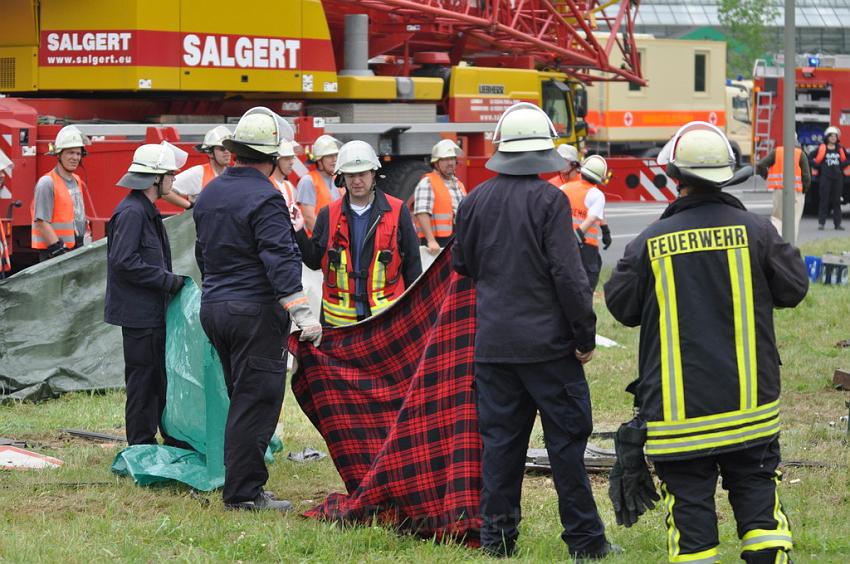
(762, 539)
(745, 334)
(778, 513)
(781, 557)
(702, 557)
(672, 388)
(672, 532)
(709, 422)
(712, 440)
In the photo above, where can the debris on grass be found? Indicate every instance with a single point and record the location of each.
(306, 455)
(841, 380)
(14, 458)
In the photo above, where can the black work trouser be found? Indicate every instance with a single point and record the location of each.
(508, 398)
(751, 478)
(145, 381)
(251, 340)
(591, 259)
(830, 196)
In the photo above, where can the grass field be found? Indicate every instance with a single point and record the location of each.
(81, 512)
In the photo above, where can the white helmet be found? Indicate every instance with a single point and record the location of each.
(830, 130)
(569, 153)
(524, 127)
(158, 159)
(6, 164)
(701, 150)
(595, 169)
(356, 156)
(286, 149)
(259, 133)
(214, 138)
(325, 146)
(69, 137)
(445, 149)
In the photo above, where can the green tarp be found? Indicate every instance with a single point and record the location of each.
(195, 411)
(52, 335)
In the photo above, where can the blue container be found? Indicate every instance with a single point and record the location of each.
(814, 265)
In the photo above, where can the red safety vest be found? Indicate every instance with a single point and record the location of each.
(442, 214)
(775, 174)
(576, 191)
(384, 281)
(63, 213)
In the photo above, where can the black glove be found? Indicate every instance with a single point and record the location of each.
(580, 235)
(630, 486)
(178, 284)
(56, 249)
(606, 236)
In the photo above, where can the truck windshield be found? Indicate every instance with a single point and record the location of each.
(556, 104)
(741, 109)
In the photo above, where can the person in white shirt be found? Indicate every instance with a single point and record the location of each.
(189, 183)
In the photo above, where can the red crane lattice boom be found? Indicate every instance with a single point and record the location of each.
(574, 36)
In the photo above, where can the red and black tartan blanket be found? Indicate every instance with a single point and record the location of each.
(393, 398)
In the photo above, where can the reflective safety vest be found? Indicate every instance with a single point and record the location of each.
(576, 191)
(384, 281)
(286, 188)
(63, 213)
(209, 174)
(775, 174)
(323, 191)
(709, 376)
(442, 214)
(5, 261)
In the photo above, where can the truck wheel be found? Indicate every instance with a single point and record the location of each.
(401, 177)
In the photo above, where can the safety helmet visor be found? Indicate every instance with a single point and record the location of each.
(158, 159)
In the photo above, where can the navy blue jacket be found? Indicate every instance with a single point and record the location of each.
(138, 273)
(246, 247)
(514, 238)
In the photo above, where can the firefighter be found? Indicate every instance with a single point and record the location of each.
(251, 272)
(587, 203)
(139, 283)
(437, 196)
(317, 189)
(364, 243)
(771, 168)
(702, 283)
(189, 183)
(58, 212)
(573, 166)
(535, 330)
(5, 263)
(830, 160)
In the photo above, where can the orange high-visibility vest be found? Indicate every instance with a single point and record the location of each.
(576, 191)
(209, 174)
(63, 213)
(775, 174)
(384, 281)
(286, 188)
(822, 153)
(323, 191)
(442, 214)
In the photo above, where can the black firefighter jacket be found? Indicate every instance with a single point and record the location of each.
(514, 238)
(702, 283)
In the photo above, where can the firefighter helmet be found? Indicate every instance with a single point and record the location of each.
(258, 134)
(356, 156)
(151, 160)
(325, 146)
(214, 138)
(595, 169)
(524, 137)
(830, 131)
(699, 152)
(569, 153)
(69, 137)
(445, 149)
(286, 149)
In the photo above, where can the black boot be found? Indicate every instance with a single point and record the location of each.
(607, 549)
